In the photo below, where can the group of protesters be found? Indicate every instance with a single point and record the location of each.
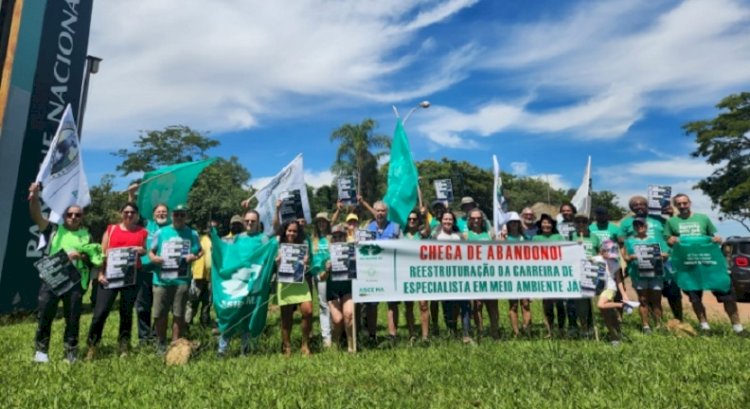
(157, 292)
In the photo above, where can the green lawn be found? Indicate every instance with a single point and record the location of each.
(659, 371)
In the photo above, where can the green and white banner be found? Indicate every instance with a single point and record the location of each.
(409, 270)
(700, 265)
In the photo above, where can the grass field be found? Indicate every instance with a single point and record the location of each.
(657, 371)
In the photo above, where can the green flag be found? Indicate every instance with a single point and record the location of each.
(170, 185)
(401, 195)
(241, 282)
(699, 264)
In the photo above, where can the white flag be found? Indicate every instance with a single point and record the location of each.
(61, 174)
(582, 199)
(499, 206)
(290, 179)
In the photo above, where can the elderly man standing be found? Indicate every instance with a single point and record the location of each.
(384, 229)
(689, 224)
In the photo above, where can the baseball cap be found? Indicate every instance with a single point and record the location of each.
(180, 208)
(352, 216)
(236, 219)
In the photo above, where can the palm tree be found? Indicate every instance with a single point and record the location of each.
(358, 153)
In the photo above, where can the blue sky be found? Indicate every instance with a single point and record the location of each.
(542, 84)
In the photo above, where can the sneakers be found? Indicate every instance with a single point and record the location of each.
(71, 356)
(161, 349)
(123, 349)
(41, 357)
(629, 306)
(615, 343)
(646, 330)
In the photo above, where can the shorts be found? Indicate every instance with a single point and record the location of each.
(648, 284)
(721, 296)
(608, 294)
(337, 294)
(172, 298)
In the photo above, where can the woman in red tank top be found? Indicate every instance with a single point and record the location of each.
(123, 244)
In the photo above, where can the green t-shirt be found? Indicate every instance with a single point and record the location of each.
(170, 234)
(515, 239)
(72, 240)
(551, 237)
(590, 244)
(608, 233)
(654, 227)
(695, 225)
(320, 256)
(632, 266)
(151, 227)
(483, 236)
(410, 236)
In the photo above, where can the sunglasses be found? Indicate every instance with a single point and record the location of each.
(74, 215)
(178, 214)
(128, 212)
(412, 219)
(475, 218)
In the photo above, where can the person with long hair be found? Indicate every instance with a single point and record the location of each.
(125, 234)
(292, 296)
(478, 231)
(321, 236)
(547, 231)
(339, 297)
(448, 231)
(417, 228)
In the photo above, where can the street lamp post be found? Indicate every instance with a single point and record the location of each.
(92, 67)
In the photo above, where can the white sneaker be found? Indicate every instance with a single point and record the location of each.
(41, 357)
(630, 306)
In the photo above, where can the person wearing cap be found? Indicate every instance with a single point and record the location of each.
(547, 231)
(339, 296)
(467, 205)
(384, 230)
(654, 228)
(648, 284)
(236, 227)
(171, 285)
(690, 224)
(320, 238)
(478, 231)
(602, 228)
(352, 223)
(528, 222)
(417, 229)
(513, 232)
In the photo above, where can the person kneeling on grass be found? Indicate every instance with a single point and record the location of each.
(339, 297)
(612, 283)
(647, 280)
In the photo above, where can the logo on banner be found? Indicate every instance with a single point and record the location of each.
(65, 155)
(370, 250)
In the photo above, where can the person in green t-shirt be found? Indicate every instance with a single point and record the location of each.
(173, 249)
(590, 245)
(417, 228)
(70, 237)
(547, 231)
(602, 228)
(321, 236)
(514, 232)
(655, 229)
(689, 224)
(339, 296)
(648, 277)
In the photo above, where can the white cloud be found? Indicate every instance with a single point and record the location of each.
(617, 59)
(234, 63)
(555, 180)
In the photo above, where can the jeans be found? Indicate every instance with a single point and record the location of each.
(324, 314)
(449, 312)
(105, 298)
(143, 302)
(48, 302)
(224, 342)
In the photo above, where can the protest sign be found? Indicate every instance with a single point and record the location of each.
(291, 206)
(291, 265)
(566, 230)
(650, 263)
(365, 235)
(343, 261)
(120, 269)
(58, 272)
(408, 270)
(173, 253)
(659, 197)
(444, 190)
(347, 188)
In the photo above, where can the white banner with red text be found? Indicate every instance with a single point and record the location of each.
(411, 270)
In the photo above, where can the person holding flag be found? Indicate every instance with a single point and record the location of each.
(74, 239)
